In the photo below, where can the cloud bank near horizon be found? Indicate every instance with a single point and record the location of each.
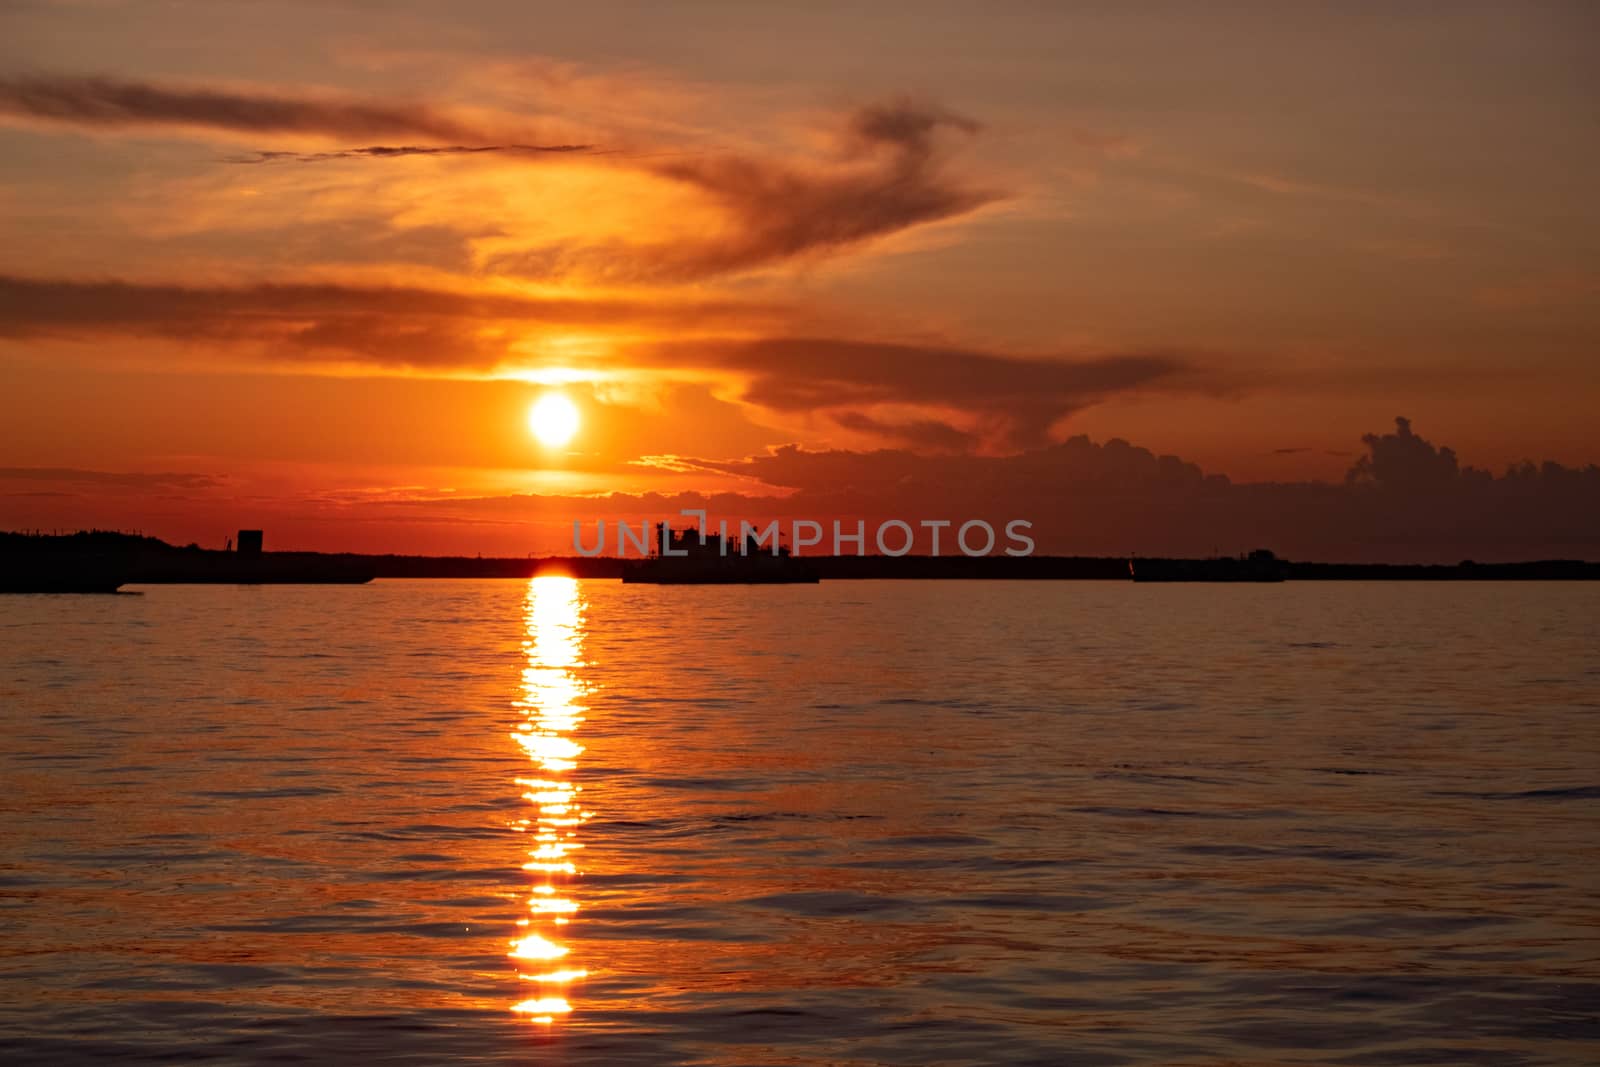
(1404, 500)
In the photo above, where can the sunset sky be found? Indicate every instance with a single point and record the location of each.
(1143, 274)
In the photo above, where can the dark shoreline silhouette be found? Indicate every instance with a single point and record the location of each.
(991, 568)
(716, 560)
(100, 561)
(1259, 566)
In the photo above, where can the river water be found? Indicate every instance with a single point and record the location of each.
(857, 823)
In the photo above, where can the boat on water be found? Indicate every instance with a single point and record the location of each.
(1258, 566)
(690, 557)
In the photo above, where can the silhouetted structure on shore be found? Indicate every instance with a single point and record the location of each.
(688, 557)
(90, 561)
(100, 561)
(1259, 566)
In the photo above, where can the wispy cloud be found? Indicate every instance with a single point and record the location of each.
(398, 151)
(889, 177)
(109, 103)
(920, 394)
(887, 173)
(139, 480)
(396, 326)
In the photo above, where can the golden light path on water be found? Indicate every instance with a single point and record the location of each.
(552, 707)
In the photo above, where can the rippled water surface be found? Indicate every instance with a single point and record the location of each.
(856, 823)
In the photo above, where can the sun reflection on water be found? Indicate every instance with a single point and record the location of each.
(552, 707)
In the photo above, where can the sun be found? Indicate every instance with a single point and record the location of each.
(553, 419)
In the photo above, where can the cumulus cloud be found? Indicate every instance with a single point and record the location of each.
(1114, 498)
(1403, 461)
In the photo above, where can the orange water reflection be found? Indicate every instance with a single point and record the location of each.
(552, 708)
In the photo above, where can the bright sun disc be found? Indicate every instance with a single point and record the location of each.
(553, 419)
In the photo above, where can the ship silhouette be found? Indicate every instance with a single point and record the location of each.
(692, 557)
(1259, 566)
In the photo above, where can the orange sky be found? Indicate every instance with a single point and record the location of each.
(307, 266)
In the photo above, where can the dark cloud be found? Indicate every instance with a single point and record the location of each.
(907, 124)
(1020, 398)
(386, 326)
(111, 103)
(1015, 400)
(398, 151)
(1082, 497)
(899, 476)
(1115, 498)
(1403, 461)
(929, 434)
(890, 179)
(1405, 500)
